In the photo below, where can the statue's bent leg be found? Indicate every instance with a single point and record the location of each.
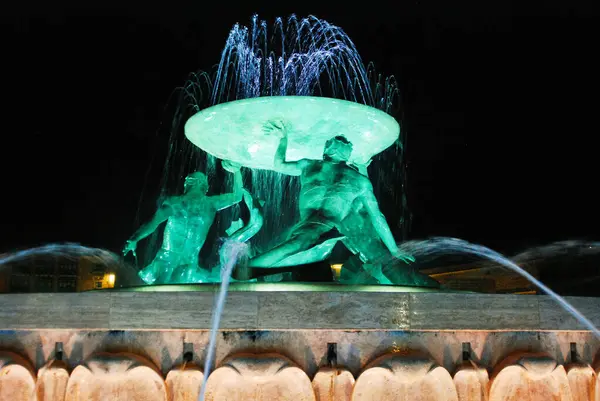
(363, 241)
(402, 274)
(161, 268)
(149, 273)
(181, 274)
(354, 272)
(304, 236)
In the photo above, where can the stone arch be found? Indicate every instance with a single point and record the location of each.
(52, 381)
(116, 376)
(525, 376)
(17, 378)
(333, 384)
(471, 382)
(183, 383)
(582, 381)
(254, 377)
(407, 376)
(596, 369)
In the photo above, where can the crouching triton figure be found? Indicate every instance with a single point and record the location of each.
(189, 218)
(332, 191)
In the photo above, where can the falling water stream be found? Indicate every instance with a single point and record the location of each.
(230, 252)
(443, 245)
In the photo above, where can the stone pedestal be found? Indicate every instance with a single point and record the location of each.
(296, 346)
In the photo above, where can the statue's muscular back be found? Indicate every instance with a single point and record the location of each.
(330, 189)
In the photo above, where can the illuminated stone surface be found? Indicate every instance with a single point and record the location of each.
(17, 381)
(333, 384)
(116, 377)
(396, 376)
(183, 383)
(240, 131)
(582, 381)
(529, 377)
(596, 369)
(363, 325)
(52, 381)
(404, 378)
(254, 377)
(471, 382)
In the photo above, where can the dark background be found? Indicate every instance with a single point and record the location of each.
(499, 104)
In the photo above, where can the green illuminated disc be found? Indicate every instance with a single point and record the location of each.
(245, 131)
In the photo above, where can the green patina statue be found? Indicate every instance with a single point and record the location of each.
(334, 195)
(189, 218)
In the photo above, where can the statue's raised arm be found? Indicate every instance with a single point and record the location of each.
(224, 201)
(280, 164)
(255, 222)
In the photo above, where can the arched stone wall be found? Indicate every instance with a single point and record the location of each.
(52, 380)
(183, 383)
(17, 379)
(404, 378)
(529, 377)
(333, 384)
(119, 376)
(246, 377)
(522, 376)
(471, 382)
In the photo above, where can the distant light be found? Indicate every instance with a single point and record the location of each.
(253, 148)
(337, 269)
(111, 280)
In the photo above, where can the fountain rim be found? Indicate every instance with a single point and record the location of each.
(283, 287)
(323, 99)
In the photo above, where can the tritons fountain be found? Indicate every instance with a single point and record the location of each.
(311, 297)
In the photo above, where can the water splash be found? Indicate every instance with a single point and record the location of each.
(442, 245)
(66, 250)
(297, 57)
(230, 253)
(557, 249)
(125, 274)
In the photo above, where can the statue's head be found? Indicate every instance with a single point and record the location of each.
(338, 148)
(196, 182)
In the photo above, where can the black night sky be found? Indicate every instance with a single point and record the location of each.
(500, 106)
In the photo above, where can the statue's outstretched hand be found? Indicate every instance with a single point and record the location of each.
(230, 166)
(275, 128)
(130, 246)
